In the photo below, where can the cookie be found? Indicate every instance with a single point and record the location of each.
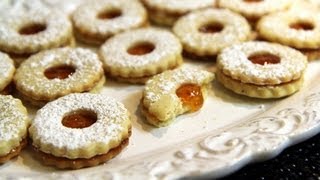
(27, 33)
(173, 93)
(80, 130)
(205, 33)
(14, 122)
(135, 56)
(297, 29)
(51, 74)
(261, 69)
(96, 21)
(166, 12)
(7, 70)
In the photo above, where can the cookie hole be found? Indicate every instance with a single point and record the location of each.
(212, 27)
(264, 58)
(252, 1)
(109, 14)
(191, 96)
(59, 72)
(306, 26)
(141, 48)
(32, 29)
(79, 119)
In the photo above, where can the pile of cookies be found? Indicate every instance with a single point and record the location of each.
(261, 50)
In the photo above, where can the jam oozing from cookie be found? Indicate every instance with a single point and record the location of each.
(191, 96)
(79, 119)
(141, 48)
(32, 29)
(109, 14)
(60, 72)
(213, 27)
(252, 1)
(264, 58)
(306, 26)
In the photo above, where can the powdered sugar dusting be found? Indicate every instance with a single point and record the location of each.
(114, 51)
(30, 75)
(234, 62)
(6, 70)
(47, 129)
(13, 123)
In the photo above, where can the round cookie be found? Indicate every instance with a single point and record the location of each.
(7, 70)
(205, 33)
(261, 69)
(297, 29)
(98, 20)
(255, 9)
(80, 130)
(14, 122)
(134, 56)
(173, 93)
(27, 33)
(54, 73)
(166, 12)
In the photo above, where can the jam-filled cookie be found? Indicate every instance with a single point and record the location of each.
(261, 69)
(54, 73)
(205, 33)
(27, 33)
(80, 130)
(95, 21)
(173, 93)
(7, 70)
(134, 56)
(166, 12)
(14, 122)
(297, 29)
(255, 9)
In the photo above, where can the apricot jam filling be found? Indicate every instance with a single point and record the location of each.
(306, 26)
(191, 96)
(264, 58)
(32, 29)
(59, 72)
(79, 119)
(141, 48)
(213, 27)
(110, 14)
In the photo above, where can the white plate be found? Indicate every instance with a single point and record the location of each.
(226, 134)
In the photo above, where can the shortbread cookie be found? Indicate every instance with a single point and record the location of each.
(136, 55)
(14, 122)
(255, 9)
(95, 21)
(173, 93)
(80, 130)
(261, 69)
(206, 32)
(166, 12)
(28, 33)
(297, 29)
(7, 70)
(54, 73)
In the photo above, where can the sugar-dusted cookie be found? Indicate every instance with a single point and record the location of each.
(166, 12)
(134, 56)
(255, 9)
(205, 33)
(7, 70)
(27, 33)
(261, 69)
(14, 122)
(54, 73)
(80, 130)
(173, 93)
(95, 21)
(299, 29)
